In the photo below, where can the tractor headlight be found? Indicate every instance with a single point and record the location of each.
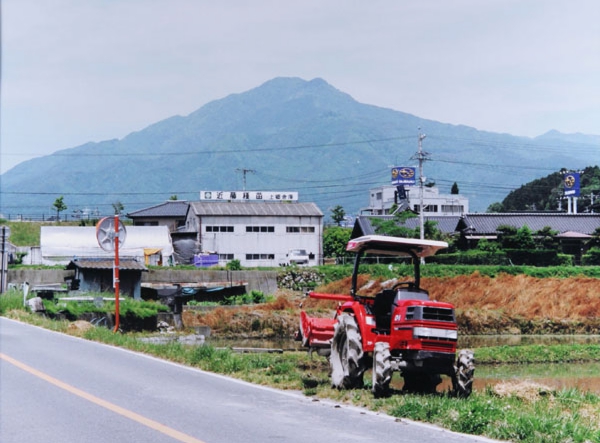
(445, 334)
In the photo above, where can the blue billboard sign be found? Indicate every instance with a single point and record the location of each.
(571, 182)
(403, 175)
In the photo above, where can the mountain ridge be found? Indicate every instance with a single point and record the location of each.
(296, 135)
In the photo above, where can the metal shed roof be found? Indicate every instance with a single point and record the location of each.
(265, 209)
(101, 263)
(171, 208)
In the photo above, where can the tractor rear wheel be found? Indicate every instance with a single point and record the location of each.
(382, 369)
(462, 382)
(346, 360)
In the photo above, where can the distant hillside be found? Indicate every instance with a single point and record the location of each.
(292, 135)
(546, 194)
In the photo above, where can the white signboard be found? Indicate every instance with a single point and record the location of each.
(270, 196)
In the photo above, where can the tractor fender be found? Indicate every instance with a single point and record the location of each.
(360, 314)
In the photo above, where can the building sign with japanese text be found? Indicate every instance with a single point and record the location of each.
(270, 196)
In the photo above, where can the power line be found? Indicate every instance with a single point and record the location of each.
(219, 151)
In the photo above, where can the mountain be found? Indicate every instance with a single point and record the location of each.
(288, 134)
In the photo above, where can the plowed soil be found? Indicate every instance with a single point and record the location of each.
(484, 305)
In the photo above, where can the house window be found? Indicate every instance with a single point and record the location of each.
(219, 229)
(428, 208)
(300, 229)
(260, 228)
(225, 257)
(260, 256)
(145, 223)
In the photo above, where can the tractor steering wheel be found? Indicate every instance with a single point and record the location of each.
(408, 284)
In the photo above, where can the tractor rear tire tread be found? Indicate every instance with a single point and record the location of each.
(347, 356)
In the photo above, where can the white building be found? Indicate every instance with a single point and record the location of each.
(381, 200)
(257, 233)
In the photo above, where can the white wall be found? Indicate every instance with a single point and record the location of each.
(272, 245)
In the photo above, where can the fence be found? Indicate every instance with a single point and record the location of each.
(91, 218)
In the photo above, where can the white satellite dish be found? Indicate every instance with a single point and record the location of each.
(105, 233)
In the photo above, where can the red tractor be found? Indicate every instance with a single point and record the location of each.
(399, 329)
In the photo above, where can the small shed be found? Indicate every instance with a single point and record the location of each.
(96, 275)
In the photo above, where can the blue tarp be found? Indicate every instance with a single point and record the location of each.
(206, 260)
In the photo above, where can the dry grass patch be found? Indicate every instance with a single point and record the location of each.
(524, 390)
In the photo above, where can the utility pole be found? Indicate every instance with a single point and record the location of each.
(5, 233)
(244, 171)
(421, 156)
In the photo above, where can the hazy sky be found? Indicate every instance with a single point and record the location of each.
(75, 71)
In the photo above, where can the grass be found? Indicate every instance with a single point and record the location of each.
(529, 354)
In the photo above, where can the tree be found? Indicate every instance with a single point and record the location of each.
(495, 208)
(594, 242)
(395, 226)
(338, 215)
(524, 238)
(335, 239)
(173, 197)
(512, 238)
(545, 238)
(454, 190)
(506, 236)
(59, 205)
(118, 207)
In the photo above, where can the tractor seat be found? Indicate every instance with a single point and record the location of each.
(382, 309)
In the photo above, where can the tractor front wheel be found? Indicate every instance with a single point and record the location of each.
(462, 382)
(346, 360)
(382, 369)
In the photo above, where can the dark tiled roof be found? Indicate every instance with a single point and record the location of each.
(363, 226)
(489, 223)
(125, 264)
(257, 209)
(170, 208)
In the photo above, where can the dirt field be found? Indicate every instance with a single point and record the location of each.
(484, 305)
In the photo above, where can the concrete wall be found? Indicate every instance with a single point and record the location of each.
(265, 281)
(38, 277)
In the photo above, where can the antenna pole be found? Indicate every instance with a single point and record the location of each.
(244, 171)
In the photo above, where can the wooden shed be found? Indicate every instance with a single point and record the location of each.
(96, 275)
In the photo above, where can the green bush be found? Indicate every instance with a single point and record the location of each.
(591, 258)
(128, 307)
(234, 265)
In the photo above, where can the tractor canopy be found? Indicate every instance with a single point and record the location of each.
(392, 246)
(396, 246)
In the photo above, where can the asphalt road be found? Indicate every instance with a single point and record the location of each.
(58, 388)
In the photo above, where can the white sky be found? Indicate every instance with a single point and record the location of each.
(75, 71)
